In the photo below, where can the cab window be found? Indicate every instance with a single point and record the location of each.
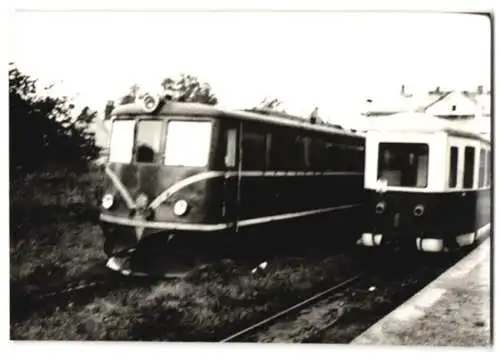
(188, 143)
(404, 164)
(148, 141)
(122, 141)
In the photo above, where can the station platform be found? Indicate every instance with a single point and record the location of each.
(453, 310)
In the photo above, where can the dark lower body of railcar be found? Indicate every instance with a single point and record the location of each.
(428, 222)
(250, 214)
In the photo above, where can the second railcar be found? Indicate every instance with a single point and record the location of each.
(427, 182)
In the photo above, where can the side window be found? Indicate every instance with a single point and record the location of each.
(488, 169)
(317, 153)
(468, 178)
(254, 151)
(482, 168)
(298, 153)
(278, 153)
(333, 161)
(287, 151)
(306, 165)
(452, 181)
(341, 157)
(231, 148)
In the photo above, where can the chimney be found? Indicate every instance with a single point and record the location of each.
(436, 91)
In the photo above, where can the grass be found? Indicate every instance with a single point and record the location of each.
(54, 231)
(186, 310)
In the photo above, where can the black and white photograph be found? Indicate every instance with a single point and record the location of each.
(251, 176)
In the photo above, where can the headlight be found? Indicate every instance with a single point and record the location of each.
(107, 201)
(180, 207)
(380, 207)
(418, 210)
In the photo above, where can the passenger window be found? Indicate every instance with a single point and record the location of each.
(231, 148)
(452, 182)
(468, 178)
(343, 157)
(299, 151)
(318, 156)
(254, 151)
(482, 164)
(488, 169)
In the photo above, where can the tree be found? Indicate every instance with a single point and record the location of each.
(43, 133)
(270, 104)
(188, 88)
(131, 96)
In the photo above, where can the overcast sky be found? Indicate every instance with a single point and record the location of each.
(329, 59)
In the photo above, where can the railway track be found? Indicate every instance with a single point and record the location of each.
(378, 274)
(251, 331)
(79, 291)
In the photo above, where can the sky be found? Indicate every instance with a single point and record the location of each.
(333, 60)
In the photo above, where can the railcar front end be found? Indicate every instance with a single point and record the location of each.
(159, 177)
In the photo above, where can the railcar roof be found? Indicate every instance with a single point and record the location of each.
(422, 123)
(172, 108)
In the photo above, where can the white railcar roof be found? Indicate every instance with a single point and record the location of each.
(419, 122)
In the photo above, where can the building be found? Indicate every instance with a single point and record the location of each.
(471, 107)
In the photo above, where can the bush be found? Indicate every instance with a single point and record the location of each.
(43, 133)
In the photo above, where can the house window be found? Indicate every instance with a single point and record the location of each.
(452, 182)
(454, 107)
(469, 167)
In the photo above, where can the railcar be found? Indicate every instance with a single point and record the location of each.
(186, 170)
(428, 183)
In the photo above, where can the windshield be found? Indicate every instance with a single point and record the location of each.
(122, 141)
(148, 140)
(188, 143)
(403, 164)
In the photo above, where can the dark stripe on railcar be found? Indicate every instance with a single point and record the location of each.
(446, 213)
(273, 195)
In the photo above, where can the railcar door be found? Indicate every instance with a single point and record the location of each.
(231, 177)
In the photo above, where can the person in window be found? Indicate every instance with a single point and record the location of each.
(145, 153)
